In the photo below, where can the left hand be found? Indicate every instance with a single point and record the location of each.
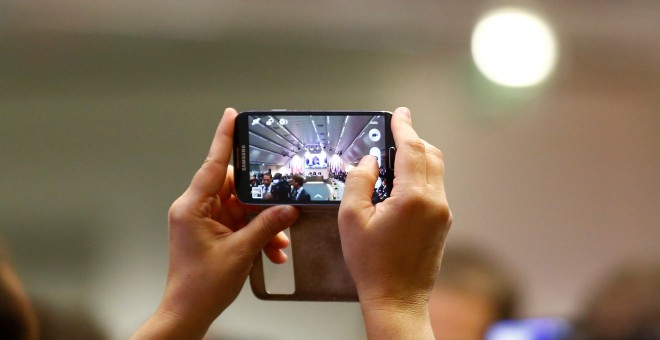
(211, 246)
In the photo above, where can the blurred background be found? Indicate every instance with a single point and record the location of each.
(108, 108)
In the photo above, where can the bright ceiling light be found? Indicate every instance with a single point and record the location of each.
(513, 47)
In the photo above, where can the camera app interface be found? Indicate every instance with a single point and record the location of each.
(305, 159)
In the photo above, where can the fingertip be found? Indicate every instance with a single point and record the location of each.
(287, 213)
(264, 230)
(276, 256)
(404, 111)
(229, 115)
(284, 239)
(367, 167)
(368, 160)
(280, 241)
(359, 186)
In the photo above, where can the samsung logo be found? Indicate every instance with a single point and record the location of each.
(243, 158)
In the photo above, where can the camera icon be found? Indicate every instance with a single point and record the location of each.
(374, 135)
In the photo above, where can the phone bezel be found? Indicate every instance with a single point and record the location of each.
(241, 150)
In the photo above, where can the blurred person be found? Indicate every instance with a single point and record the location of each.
(266, 184)
(472, 292)
(392, 250)
(66, 323)
(625, 305)
(281, 188)
(298, 193)
(24, 318)
(18, 319)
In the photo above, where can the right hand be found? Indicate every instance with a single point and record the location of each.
(393, 249)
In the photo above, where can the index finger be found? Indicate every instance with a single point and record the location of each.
(410, 161)
(210, 177)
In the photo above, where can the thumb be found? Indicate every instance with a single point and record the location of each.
(266, 225)
(360, 182)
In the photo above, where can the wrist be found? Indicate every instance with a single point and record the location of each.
(179, 316)
(397, 318)
(167, 324)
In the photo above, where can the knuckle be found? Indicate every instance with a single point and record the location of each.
(434, 151)
(416, 145)
(450, 220)
(177, 212)
(413, 200)
(433, 206)
(443, 213)
(347, 214)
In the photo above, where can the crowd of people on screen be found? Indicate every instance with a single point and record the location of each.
(288, 187)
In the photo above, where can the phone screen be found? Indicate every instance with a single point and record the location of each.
(303, 157)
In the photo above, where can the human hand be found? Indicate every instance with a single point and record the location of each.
(393, 249)
(211, 246)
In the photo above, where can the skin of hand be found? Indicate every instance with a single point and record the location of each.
(393, 249)
(211, 246)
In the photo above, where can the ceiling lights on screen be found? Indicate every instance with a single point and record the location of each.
(513, 47)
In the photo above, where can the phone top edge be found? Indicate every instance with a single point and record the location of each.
(316, 204)
(295, 112)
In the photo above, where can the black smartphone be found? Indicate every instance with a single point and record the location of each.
(303, 157)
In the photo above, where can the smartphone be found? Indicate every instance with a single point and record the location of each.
(303, 157)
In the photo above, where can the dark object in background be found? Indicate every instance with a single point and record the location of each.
(625, 305)
(66, 323)
(473, 290)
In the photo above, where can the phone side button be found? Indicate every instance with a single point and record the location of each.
(392, 154)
